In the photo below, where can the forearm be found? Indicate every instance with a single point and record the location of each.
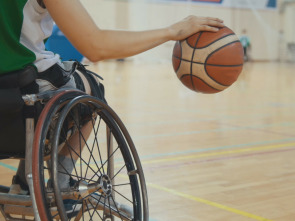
(97, 44)
(119, 44)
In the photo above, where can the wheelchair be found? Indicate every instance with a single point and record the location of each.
(107, 180)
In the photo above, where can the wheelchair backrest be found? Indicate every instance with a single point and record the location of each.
(12, 125)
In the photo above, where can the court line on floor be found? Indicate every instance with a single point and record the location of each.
(231, 128)
(197, 199)
(264, 130)
(182, 121)
(259, 148)
(118, 162)
(189, 163)
(8, 166)
(215, 148)
(204, 201)
(208, 202)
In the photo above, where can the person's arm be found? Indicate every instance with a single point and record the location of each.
(97, 44)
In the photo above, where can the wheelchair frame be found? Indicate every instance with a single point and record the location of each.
(29, 205)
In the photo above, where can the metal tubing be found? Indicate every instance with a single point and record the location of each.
(29, 151)
(111, 166)
(14, 199)
(19, 210)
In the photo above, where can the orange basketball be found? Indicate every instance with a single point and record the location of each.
(208, 62)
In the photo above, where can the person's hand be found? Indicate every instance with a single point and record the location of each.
(193, 24)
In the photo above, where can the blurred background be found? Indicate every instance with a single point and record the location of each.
(270, 24)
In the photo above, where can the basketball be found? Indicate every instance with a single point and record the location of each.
(208, 62)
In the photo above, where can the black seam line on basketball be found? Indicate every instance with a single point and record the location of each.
(217, 65)
(193, 54)
(180, 56)
(201, 80)
(205, 65)
(216, 41)
(220, 65)
(211, 42)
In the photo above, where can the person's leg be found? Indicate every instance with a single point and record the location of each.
(67, 157)
(245, 54)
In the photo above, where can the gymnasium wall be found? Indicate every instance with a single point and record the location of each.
(263, 26)
(288, 22)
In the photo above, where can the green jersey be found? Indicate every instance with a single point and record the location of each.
(24, 27)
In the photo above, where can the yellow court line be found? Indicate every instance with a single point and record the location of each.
(207, 202)
(218, 153)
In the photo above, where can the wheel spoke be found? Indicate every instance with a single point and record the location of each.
(88, 210)
(95, 211)
(83, 210)
(73, 161)
(86, 144)
(109, 137)
(95, 173)
(123, 184)
(106, 161)
(117, 208)
(123, 196)
(104, 207)
(110, 209)
(118, 172)
(78, 177)
(98, 148)
(93, 145)
(75, 205)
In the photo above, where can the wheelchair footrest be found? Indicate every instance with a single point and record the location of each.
(18, 210)
(23, 211)
(13, 199)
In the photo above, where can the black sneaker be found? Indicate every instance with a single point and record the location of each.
(72, 207)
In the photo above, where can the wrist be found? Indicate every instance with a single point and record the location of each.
(170, 33)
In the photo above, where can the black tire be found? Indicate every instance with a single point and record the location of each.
(41, 172)
(91, 194)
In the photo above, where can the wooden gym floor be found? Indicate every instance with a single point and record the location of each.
(223, 157)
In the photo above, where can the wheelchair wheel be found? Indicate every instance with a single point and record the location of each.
(41, 152)
(106, 179)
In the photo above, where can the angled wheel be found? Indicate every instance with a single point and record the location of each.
(101, 190)
(106, 179)
(41, 153)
